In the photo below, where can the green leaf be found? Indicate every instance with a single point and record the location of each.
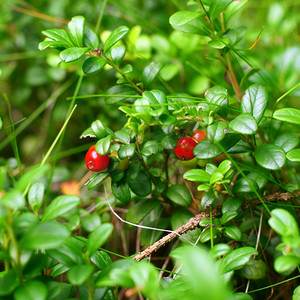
(296, 293)
(91, 222)
(224, 167)
(269, 156)
(114, 37)
(179, 194)
(60, 206)
(217, 98)
(44, 235)
(289, 115)
(60, 36)
(137, 213)
(254, 269)
(150, 72)
(90, 38)
(93, 65)
(76, 29)
(233, 232)
(98, 237)
(32, 175)
(126, 151)
(150, 148)
(216, 131)
(96, 179)
(219, 250)
(293, 155)
(8, 282)
(228, 215)
(286, 264)
(32, 290)
(121, 191)
(287, 141)
(13, 199)
(241, 296)
(220, 43)
(142, 185)
(72, 54)
(244, 185)
(77, 275)
(189, 21)
(236, 259)
(120, 89)
(217, 6)
(216, 177)
(232, 203)
(255, 101)
(283, 222)
(1, 123)
(101, 259)
(98, 129)
(197, 175)
(35, 196)
(244, 124)
(117, 54)
(103, 145)
(206, 149)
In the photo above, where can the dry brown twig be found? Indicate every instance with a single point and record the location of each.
(194, 222)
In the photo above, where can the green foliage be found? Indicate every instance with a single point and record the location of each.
(142, 76)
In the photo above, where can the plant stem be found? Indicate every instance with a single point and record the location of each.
(232, 77)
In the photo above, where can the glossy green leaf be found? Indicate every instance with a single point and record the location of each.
(114, 37)
(217, 6)
(32, 175)
(286, 264)
(35, 196)
(121, 191)
(141, 209)
(76, 30)
(32, 290)
(220, 43)
(283, 222)
(197, 175)
(206, 149)
(236, 259)
(296, 293)
(255, 101)
(289, 115)
(126, 151)
(103, 145)
(77, 275)
(189, 21)
(96, 179)
(293, 155)
(142, 185)
(179, 194)
(224, 166)
(244, 185)
(99, 129)
(91, 38)
(216, 177)
(150, 72)
(150, 148)
(60, 206)
(93, 65)
(60, 36)
(244, 124)
(216, 131)
(219, 250)
(91, 222)
(117, 54)
(233, 232)
(44, 235)
(254, 269)
(228, 215)
(269, 156)
(287, 141)
(98, 237)
(121, 89)
(217, 98)
(72, 54)
(101, 259)
(232, 203)
(8, 282)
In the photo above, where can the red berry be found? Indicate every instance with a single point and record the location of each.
(199, 135)
(184, 148)
(94, 161)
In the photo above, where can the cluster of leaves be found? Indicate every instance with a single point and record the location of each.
(42, 241)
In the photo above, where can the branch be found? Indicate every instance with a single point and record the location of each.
(190, 225)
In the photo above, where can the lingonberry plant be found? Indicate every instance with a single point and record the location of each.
(147, 223)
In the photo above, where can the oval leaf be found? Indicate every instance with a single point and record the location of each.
(287, 141)
(114, 37)
(197, 175)
(244, 124)
(60, 206)
(255, 101)
(77, 275)
(76, 28)
(150, 72)
(93, 65)
(72, 54)
(290, 115)
(269, 156)
(293, 155)
(179, 194)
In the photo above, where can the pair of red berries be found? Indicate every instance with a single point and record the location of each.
(185, 146)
